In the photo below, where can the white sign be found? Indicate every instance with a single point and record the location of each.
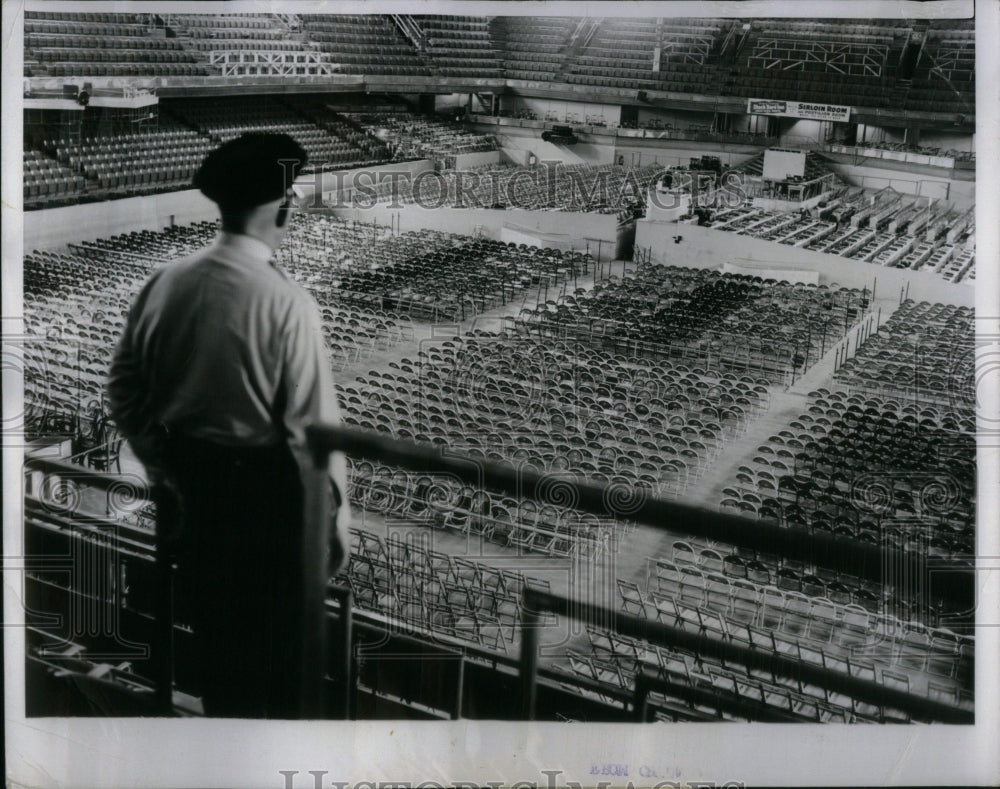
(799, 109)
(793, 275)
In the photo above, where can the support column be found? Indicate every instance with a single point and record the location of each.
(912, 135)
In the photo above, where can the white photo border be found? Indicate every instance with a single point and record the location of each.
(95, 752)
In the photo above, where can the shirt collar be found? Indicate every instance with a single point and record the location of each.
(246, 248)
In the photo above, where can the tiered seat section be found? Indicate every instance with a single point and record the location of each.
(363, 44)
(142, 163)
(744, 325)
(432, 591)
(882, 229)
(689, 50)
(48, 182)
(917, 354)
(234, 32)
(438, 276)
(224, 119)
(226, 28)
(61, 44)
(820, 60)
(620, 55)
(247, 44)
(460, 46)
(414, 136)
(535, 47)
(945, 75)
(363, 147)
(872, 469)
(742, 603)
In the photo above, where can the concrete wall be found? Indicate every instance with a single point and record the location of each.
(516, 234)
(576, 228)
(928, 137)
(801, 128)
(797, 276)
(467, 160)
(56, 227)
(609, 113)
(344, 183)
(517, 144)
(450, 100)
(705, 247)
(961, 193)
(638, 155)
(677, 118)
(937, 139)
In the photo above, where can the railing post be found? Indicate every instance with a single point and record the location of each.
(456, 712)
(345, 651)
(640, 701)
(167, 514)
(529, 654)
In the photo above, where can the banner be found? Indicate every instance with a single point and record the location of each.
(799, 109)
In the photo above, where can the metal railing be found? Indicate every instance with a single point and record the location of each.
(860, 559)
(538, 602)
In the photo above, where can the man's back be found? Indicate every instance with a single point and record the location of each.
(211, 332)
(220, 369)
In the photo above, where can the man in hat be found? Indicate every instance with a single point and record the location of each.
(221, 366)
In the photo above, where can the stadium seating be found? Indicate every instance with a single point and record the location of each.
(412, 136)
(816, 631)
(819, 61)
(855, 224)
(248, 45)
(833, 61)
(459, 46)
(317, 131)
(564, 402)
(61, 44)
(944, 76)
(138, 163)
(623, 53)
(534, 48)
(48, 182)
(432, 591)
(364, 44)
(658, 380)
(731, 323)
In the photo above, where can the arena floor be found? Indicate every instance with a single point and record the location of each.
(586, 579)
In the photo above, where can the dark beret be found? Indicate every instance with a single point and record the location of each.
(253, 169)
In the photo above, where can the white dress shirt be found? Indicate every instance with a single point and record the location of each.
(222, 346)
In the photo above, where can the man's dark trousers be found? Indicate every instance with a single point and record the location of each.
(241, 552)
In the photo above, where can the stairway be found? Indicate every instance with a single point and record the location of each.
(577, 44)
(498, 35)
